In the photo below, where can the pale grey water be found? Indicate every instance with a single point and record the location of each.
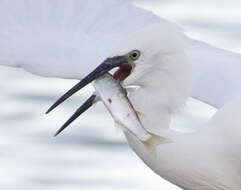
(91, 154)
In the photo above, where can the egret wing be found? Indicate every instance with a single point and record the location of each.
(67, 39)
(217, 73)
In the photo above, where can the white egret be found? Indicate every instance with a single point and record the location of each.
(68, 39)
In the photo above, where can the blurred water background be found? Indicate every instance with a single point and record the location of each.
(91, 154)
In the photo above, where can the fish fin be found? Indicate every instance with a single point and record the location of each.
(154, 141)
(132, 88)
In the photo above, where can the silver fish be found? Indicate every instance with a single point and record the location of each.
(115, 99)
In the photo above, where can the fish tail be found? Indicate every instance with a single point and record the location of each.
(154, 141)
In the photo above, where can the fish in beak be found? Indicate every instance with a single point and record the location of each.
(125, 64)
(103, 68)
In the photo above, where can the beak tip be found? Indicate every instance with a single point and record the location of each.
(49, 110)
(56, 134)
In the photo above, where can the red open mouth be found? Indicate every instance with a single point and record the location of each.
(123, 72)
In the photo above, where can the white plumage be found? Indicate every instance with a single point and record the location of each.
(208, 158)
(52, 38)
(217, 73)
(68, 39)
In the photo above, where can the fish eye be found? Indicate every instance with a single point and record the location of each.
(135, 54)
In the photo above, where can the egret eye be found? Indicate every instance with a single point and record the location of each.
(135, 54)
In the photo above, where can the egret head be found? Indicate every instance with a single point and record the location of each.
(124, 62)
(162, 72)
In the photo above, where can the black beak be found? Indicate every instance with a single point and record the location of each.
(88, 103)
(103, 68)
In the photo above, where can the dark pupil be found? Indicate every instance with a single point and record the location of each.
(134, 55)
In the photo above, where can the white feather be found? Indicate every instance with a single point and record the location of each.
(217, 73)
(65, 39)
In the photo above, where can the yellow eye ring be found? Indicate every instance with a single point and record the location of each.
(134, 55)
